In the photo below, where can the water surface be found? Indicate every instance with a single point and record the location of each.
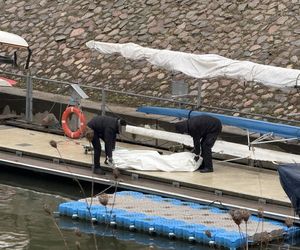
(25, 223)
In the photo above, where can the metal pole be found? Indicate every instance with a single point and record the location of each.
(28, 111)
(103, 102)
(199, 94)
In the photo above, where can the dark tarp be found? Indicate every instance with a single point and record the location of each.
(9, 60)
(290, 181)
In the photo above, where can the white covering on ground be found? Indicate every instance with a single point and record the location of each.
(222, 147)
(150, 160)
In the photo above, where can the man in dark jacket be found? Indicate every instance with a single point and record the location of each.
(105, 128)
(204, 129)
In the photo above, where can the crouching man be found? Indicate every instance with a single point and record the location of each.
(204, 129)
(105, 128)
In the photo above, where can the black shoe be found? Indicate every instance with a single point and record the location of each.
(206, 170)
(99, 171)
(201, 167)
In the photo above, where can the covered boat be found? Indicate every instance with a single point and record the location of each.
(203, 66)
(15, 41)
(290, 181)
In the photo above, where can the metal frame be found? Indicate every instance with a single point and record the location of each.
(29, 98)
(105, 92)
(260, 140)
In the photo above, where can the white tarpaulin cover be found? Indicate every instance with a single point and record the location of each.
(221, 147)
(203, 66)
(150, 160)
(12, 39)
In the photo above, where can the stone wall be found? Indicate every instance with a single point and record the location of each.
(262, 31)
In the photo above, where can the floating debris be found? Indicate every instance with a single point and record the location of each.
(103, 199)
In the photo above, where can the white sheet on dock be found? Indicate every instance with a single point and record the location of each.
(221, 147)
(150, 160)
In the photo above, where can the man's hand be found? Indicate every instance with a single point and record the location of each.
(196, 158)
(109, 161)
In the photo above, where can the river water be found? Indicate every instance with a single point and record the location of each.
(25, 199)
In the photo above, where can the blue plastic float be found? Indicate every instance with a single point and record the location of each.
(172, 228)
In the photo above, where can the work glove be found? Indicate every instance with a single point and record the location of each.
(109, 161)
(196, 158)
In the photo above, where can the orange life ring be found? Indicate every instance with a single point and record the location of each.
(64, 120)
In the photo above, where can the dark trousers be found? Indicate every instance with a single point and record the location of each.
(207, 143)
(97, 150)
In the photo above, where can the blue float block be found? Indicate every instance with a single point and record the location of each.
(179, 231)
(196, 206)
(176, 202)
(130, 218)
(72, 207)
(187, 230)
(143, 223)
(219, 210)
(148, 223)
(160, 223)
(96, 209)
(230, 239)
(69, 208)
(62, 208)
(82, 212)
(170, 226)
(170, 201)
(167, 227)
(106, 216)
(201, 234)
(206, 234)
(131, 193)
(256, 218)
(186, 204)
(153, 197)
(102, 216)
(202, 237)
(119, 217)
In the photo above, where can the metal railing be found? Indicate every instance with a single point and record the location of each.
(105, 93)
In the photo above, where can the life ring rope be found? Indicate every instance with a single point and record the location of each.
(66, 116)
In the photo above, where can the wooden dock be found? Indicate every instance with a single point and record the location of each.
(231, 184)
